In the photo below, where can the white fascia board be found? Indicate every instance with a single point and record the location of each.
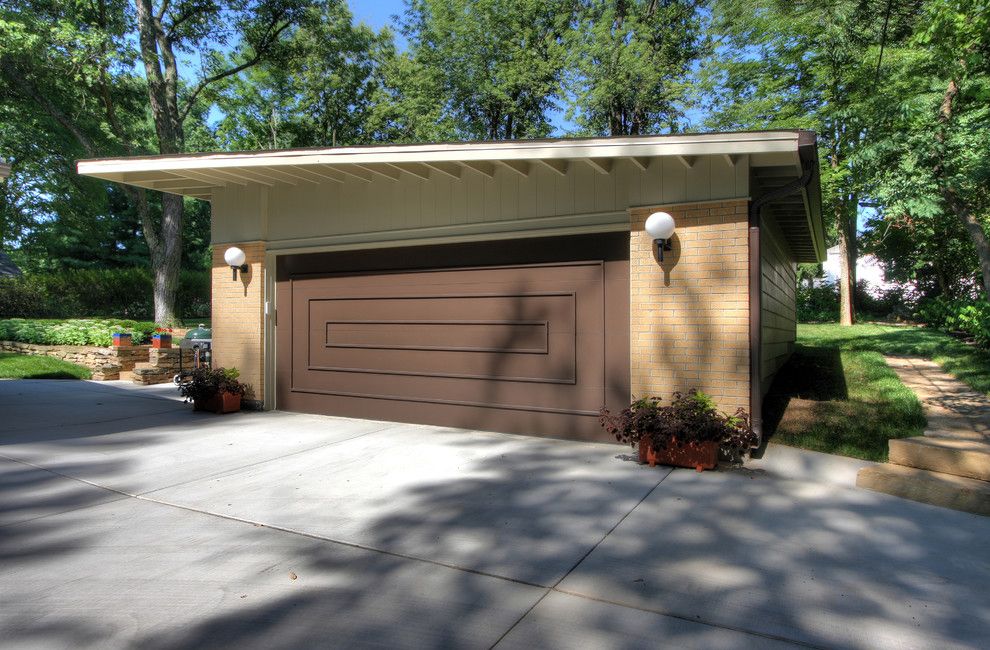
(686, 145)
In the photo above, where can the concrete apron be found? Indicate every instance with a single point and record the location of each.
(280, 530)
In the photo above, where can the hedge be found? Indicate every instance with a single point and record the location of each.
(821, 304)
(113, 293)
(80, 331)
(971, 317)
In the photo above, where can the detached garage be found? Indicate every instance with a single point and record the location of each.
(506, 286)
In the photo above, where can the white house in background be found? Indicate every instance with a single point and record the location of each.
(868, 269)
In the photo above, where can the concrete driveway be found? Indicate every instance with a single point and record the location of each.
(127, 520)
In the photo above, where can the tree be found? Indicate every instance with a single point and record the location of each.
(935, 159)
(811, 65)
(254, 29)
(67, 95)
(322, 96)
(631, 61)
(478, 69)
(75, 62)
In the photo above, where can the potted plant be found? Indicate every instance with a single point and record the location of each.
(690, 432)
(216, 390)
(162, 338)
(121, 339)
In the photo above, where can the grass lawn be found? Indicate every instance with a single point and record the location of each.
(966, 362)
(196, 322)
(837, 394)
(26, 366)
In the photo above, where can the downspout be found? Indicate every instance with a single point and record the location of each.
(808, 164)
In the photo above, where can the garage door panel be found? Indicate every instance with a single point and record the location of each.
(512, 348)
(450, 344)
(517, 337)
(455, 390)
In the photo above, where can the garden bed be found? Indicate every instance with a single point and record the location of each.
(74, 331)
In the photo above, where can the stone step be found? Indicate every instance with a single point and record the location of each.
(969, 458)
(148, 377)
(127, 375)
(935, 488)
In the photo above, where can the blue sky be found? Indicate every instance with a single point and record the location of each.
(378, 14)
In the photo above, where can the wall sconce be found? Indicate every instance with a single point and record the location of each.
(660, 226)
(235, 258)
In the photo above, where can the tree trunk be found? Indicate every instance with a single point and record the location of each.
(847, 271)
(952, 199)
(976, 234)
(165, 242)
(847, 253)
(168, 259)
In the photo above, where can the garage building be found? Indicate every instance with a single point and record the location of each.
(505, 286)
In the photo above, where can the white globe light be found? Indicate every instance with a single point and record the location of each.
(660, 225)
(234, 256)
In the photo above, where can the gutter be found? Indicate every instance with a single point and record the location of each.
(808, 153)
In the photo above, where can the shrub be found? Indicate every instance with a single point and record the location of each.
(818, 304)
(72, 332)
(116, 293)
(971, 317)
(821, 304)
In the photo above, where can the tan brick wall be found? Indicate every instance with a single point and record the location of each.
(689, 318)
(239, 316)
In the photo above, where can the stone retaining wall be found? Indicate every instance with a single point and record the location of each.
(105, 363)
(162, 365)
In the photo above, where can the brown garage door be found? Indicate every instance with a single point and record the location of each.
(532, 348)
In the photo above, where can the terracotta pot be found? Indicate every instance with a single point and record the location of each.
(693, 455)
(121, 340)
(219, 403)
(161, 341)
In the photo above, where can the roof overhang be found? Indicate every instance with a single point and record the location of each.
(199, 175)
(799, 214)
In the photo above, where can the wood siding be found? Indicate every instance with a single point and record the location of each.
(301, 214)
(777, 302)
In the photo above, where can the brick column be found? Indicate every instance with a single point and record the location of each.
(239, 316)
(689, 317)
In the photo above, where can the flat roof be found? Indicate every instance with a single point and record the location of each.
(197, 175)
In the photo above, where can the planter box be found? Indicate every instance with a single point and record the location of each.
(121, 340)
(161, 341)
(699, 456)
(219, 403)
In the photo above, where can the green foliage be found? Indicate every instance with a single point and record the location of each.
(29, 366)
(630, 63)
(971, 317)
(930, 170)
(80, 331)
(691, 418)
(120, 293)
(817, 304)
(933, 253)
(323, 94)
(821, 304)
(481, 69)
(204, 383)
